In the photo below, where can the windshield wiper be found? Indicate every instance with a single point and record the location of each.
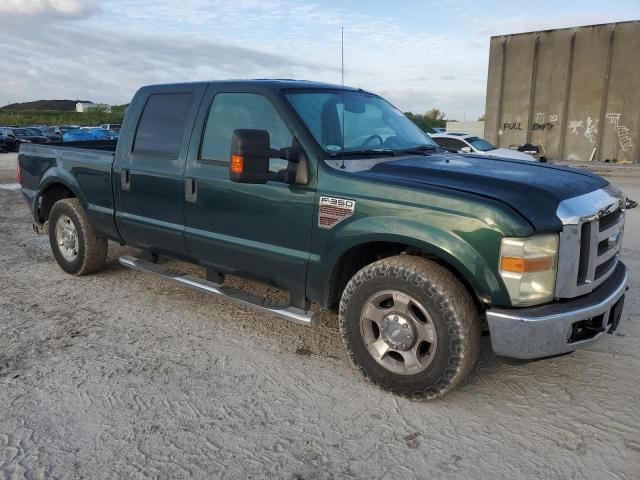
(368, 151)
(420, 149)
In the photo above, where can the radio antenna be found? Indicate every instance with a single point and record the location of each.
(342, 53)
(344, 107)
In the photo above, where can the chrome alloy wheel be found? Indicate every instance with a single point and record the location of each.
(398, 332)
(67, 238)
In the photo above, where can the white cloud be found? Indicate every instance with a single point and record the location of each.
(52, 8)
(71, 61)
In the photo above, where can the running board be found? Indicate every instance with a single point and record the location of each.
(282, 310)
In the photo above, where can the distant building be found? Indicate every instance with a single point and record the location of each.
(576, 91)
(83, 107)
(472, 128)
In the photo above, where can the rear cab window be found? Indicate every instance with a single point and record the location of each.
(162, 125)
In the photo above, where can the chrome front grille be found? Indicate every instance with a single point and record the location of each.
(590, 241)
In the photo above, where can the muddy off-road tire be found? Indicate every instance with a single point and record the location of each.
(74, 243)
(410, 326)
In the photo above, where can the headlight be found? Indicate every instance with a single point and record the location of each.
(528, 267)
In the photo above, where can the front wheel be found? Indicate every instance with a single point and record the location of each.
(74, 243)
(410, 326)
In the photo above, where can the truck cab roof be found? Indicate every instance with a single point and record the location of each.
(272, 83)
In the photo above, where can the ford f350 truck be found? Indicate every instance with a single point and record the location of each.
(333, 195)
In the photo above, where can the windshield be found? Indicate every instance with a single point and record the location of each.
(367, 122)
(21, 131)
(480, 144)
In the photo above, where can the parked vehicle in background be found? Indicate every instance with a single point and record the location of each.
(86, 134)
(4, 142)
(471, 144)
(332, 194)
(30, 135)
(56, 133)
(36, 130)
(9, 139)
(14, 137)
(111, 126)
(438, 130)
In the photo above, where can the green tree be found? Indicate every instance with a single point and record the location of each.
(435, 114)
(425, 122)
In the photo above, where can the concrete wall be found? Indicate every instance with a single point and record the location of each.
(472, 128)
(575, 91)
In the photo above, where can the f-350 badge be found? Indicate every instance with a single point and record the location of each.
(334, 210)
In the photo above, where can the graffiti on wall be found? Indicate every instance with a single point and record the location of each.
(624, 133)
(574, 125)
(541, 124)
(589, 125)
(590, 130)
(512, 126)
(545, 127)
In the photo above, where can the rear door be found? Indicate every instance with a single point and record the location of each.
(150, 165)
(257, 231)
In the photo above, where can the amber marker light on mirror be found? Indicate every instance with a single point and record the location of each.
(237, 164)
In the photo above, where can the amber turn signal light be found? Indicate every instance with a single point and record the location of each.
(522, 265)
(237, 164)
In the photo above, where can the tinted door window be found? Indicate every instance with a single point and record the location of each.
(162, 124)
(232, 111)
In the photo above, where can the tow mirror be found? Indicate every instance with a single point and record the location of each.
(465, 149)
(250, 154)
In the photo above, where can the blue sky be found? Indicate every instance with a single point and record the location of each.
(418, 54)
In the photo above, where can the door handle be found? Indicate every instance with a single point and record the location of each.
(191, 190)
(125, 179)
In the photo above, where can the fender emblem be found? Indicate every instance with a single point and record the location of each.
(334, 210)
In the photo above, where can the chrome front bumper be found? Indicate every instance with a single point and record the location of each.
(559, 327)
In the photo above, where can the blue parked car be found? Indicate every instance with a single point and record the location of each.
(89, 134)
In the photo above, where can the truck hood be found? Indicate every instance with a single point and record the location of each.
(531, 188)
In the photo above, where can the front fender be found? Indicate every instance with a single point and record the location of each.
(468, 246)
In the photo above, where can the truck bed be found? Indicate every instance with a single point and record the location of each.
(104, 145)
(83, 167)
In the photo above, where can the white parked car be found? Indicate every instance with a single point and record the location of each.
(465, 143)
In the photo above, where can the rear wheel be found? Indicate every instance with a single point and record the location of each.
(410, 326)
(74, 243)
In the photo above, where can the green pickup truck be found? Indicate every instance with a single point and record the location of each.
(333, 195)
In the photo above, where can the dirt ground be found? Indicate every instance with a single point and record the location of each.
(123, 375)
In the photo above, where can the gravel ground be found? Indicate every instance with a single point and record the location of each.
(124, 375)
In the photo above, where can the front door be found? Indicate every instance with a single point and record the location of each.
(256, 231)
